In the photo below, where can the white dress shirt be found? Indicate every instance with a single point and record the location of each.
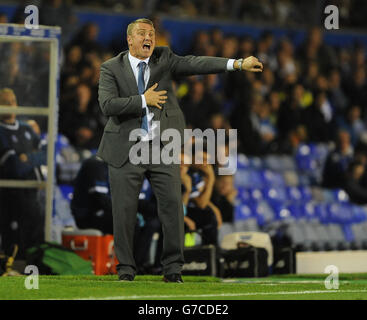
(134, 62)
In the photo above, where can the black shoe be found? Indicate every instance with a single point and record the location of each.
(126, 277)
(174, 277)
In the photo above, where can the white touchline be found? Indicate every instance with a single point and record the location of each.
(221, 295)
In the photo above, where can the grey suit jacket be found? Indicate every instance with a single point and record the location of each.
(120, 101)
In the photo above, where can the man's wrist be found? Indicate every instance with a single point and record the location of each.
(230, 65)
(238, 64)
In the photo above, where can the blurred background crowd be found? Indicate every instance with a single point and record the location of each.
(310, 93)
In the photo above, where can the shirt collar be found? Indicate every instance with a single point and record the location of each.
(13, 126)
(135, 61)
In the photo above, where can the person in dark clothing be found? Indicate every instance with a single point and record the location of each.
(91, 207)
(78, 122)
(91, 203)
(318, 119)
(224, 194)
(21, 155)
(200, 209)
(337, 162)
(198, 99)
(352, 185)
(291, 112)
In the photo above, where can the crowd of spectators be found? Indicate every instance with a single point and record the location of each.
(280, 12)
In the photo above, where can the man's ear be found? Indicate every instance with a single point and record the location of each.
(129, 40)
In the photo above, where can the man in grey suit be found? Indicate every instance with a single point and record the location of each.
(128, 104)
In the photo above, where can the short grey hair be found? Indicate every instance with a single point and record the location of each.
(131, 25)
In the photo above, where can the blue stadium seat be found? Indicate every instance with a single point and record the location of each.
(242, 212)
(294, 194)
(243, 195)
(248, 178)
(256, 163)
(242, 161)
(281, 212)
(348, 233)
(275, 194)
(306, 193)
(308, 211)
(359, 214)
(263, 213)
(256, 194)
(295, 210)
(67, 191)
(271, 178)
(322, 213)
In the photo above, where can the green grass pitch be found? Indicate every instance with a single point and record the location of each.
(286, 287)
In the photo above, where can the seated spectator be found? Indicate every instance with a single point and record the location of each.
(291, 111)
(78, 121)
(91, 207)
(353, 123)
(319, 120)
(352, 185)
(261, 121)
(162, 36)
(356, 88)
(224, 194)
(337, 96)
(200, 209)
(3, 18)
(21, 212)
(198, 99)
(87, 39)
(337, 161)
(91, 203)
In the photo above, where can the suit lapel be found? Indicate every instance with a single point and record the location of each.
(125, 72)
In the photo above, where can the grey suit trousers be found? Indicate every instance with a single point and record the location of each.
(125, 186)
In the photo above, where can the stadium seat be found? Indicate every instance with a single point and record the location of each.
(348, 234)
(336, 236)
(271, 178)
(242, 212)
(246, 225)
(294, 194)
(360, 235)
(263, 213)
(67, 191)
(242, 161)
(256, 163)
(275, 194)
(291, 178)
(297, 238)
(226, 228)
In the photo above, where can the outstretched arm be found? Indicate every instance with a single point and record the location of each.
(191, 65)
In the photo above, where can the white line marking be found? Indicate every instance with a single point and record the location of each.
(272, 281)
(221, 295)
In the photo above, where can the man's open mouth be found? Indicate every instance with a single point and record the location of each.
(146, 46)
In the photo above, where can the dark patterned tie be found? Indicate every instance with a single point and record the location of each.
(141, 88)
